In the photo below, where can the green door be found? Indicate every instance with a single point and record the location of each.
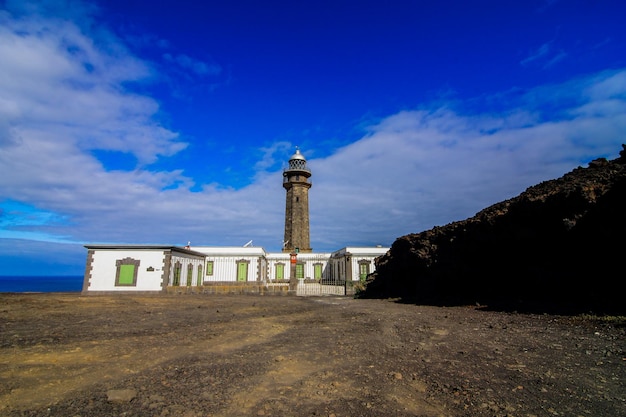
(364, 270)
(299, 271)
(317, 271)
(280, 271)
(242, 271)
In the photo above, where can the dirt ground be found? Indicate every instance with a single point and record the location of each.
(198, 355)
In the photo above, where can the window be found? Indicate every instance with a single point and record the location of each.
(126, 272)
(189, 274)
(280, 271)
(209, 268)
(317, 271)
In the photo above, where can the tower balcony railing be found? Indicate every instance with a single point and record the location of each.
(297, 169)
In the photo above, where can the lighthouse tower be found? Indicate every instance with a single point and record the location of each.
(296, 182)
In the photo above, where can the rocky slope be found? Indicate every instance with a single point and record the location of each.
(557, 247)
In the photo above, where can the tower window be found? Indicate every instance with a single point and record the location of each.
(297, 199)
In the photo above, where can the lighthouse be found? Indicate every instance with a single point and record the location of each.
(296, 183)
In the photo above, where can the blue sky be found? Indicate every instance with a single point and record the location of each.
(166, 122)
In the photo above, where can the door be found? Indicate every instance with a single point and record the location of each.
(364, 270)
(242, 271)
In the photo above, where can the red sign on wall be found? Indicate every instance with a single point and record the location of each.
(294, 258)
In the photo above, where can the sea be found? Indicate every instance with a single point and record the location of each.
(70, 283)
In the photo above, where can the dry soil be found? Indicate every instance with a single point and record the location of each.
(199, 355)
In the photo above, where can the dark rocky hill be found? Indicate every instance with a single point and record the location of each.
(558, 247)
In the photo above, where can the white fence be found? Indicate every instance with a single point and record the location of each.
(305, 289)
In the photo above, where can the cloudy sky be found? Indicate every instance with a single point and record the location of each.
(165, 122)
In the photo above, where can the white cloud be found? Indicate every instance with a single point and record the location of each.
(418, 169)
(62, 96)
(58, 87)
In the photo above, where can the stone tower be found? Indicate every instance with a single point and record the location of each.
(296, 182)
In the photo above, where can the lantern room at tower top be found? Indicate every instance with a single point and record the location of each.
(297, 162)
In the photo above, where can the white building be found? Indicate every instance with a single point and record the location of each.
(132, 268)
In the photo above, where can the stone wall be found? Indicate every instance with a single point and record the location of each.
(231, 288)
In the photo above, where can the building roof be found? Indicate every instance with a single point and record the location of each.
(361, 250)
(297, 155)
(245, 251)
(230, 250)
(144, 247)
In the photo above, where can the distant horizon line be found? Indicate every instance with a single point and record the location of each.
(32, 276)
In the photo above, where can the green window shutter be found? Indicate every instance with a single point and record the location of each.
(189, 274)
(176, 275)
(280, 271)
(317, 271)
(209, 267)
(127, 273)
(199, 282)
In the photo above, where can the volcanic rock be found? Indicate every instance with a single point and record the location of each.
(557, 247)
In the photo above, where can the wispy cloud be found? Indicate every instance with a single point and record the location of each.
(545, 56)
(198, 67)
(270, 155)
(547, 4)
(537, 54)
(21, 221)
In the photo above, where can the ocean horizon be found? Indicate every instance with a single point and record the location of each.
(41, 283)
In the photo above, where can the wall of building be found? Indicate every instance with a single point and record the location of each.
(190, 266)
(274, 259)
(345, 264)
(308, 261)
(225, 261)
(160, 267)
(101, 271)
